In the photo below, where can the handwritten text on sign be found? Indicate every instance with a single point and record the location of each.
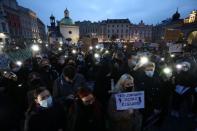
(130, 100)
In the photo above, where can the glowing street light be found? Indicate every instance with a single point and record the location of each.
(35, 48)
(46, 45)
(65, 56)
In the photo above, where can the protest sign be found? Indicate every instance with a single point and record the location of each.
(130, 100)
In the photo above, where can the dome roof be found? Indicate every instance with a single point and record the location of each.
(66, 21)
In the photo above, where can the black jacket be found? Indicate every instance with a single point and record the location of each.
(51, 119)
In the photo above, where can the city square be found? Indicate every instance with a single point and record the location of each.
(98, 65)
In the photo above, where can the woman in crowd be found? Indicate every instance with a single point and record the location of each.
(86, 113)
(124, 120)
(44, 114)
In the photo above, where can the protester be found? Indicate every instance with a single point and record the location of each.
(127, 120)
(44, 114)
(86, 114)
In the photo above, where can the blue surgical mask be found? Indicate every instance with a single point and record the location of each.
(46, 103)
(149, 73)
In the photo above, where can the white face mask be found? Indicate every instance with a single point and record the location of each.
(46, 103)
(149, 73)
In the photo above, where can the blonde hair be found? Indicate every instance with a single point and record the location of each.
(121, 81)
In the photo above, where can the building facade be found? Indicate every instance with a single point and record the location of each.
(116, 30)
(141, 32)
(11, 9)
(63, 31)
(4, 30)
(22, 22)
(41, 30)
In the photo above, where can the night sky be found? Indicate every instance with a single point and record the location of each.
(151, 11)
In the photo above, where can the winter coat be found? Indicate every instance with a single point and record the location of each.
(125, 120)
(40, 119)
(85, 118)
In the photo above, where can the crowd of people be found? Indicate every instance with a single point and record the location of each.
(75, 91)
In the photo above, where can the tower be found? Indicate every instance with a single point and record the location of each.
(176, 16)
(52, 20)
(66, 13)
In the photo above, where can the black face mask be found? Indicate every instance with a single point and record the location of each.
(129, 89)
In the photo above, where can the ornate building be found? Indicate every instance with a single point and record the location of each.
(168, 30)
(22, 23)
(141, 32)
(4, 30)
(63, 31)
(68, 29)
(116, 30)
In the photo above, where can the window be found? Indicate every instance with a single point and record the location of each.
(117, 25)
(117, 31)
(126, 30)
(70, 32)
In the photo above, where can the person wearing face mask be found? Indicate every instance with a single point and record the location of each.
(44, 114)
(184, 85)
(66, 85)
(86, 113)
(151, 83)
(127, 120)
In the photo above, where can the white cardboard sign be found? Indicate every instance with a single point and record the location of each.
(130, 100)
